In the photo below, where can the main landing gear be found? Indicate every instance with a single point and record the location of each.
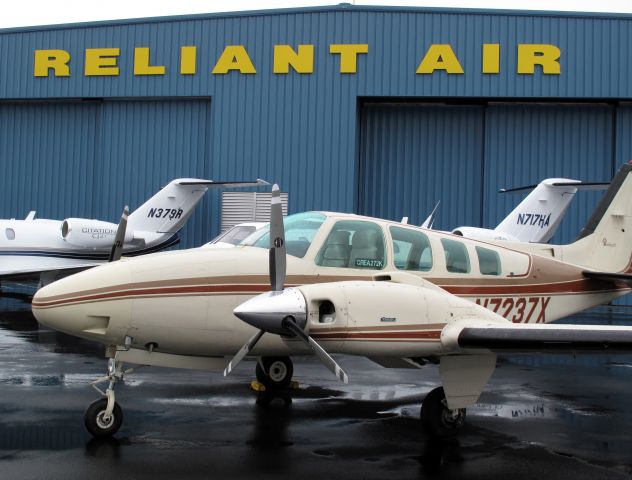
(437, 419)
(275, 372)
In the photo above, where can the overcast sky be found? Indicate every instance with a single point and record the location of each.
(42, 12)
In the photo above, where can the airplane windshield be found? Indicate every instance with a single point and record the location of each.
(300, 230)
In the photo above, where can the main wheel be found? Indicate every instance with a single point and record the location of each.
(437, 419)
(279, 372)
(95, 422)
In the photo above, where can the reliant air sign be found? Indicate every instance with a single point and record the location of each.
(104, 62)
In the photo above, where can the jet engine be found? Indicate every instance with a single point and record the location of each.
(85, 233)
(483, 234)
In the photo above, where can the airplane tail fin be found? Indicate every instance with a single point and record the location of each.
(605, 243)
(169, 209)
(538, 216)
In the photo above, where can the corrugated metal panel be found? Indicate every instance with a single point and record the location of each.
(414, 156)
(527, 143)
(48, 154)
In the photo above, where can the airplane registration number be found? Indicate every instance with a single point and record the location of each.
(169, 213)
(518, 310)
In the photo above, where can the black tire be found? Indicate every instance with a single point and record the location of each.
(93, 419)
(437, 419)
(280, 371)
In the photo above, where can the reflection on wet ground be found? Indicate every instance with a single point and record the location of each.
(553, 416)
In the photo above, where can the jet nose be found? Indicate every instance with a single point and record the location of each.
(267, 311)
(85, 304)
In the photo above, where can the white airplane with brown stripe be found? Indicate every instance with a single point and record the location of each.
(398, 294)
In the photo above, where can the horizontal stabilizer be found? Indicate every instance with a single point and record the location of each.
(211, 183)
(579, 185)
(547, 338)
(610, 277)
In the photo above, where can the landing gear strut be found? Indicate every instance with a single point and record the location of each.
(437, 419)
(274, 372)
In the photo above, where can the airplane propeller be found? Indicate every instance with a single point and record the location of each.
(119, 238)
(282, 311)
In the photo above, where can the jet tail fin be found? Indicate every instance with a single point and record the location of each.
(169, 209)
(605, 243)
(538, 216)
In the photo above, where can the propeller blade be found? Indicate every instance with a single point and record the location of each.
(239, 356)
(324, 357)
(277, 242)
(117, 248)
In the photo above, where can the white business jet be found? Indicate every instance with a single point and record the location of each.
(43, 250)
(399, 294)
(537, 217)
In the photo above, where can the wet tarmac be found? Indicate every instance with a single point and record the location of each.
(540, 416)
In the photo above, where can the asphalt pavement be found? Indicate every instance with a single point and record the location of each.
(540, 416)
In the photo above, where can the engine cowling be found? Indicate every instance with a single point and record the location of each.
(483, 234)
(82, 232)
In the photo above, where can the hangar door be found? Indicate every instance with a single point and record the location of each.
(89, 159)
(413, 156)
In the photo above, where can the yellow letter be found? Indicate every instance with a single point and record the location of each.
(234, 57)
(349, 55)
(440, 57)
(101, 61)
(302, 62)
(141, 63)
(491, 58)
(530, 55)
(55, 59)
(188, 60)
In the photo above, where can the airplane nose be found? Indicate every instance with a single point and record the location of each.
(87, 304)
(267, 311)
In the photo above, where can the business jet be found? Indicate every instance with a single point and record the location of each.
(400, 295)
(43, 249)
(538, 216)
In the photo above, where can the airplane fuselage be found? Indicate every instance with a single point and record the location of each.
(181, 303)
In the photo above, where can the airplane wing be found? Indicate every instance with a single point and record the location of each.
(610, 277)
(550, 338)
(55, 272)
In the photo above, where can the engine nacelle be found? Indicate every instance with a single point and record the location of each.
(82, 232)
(483, 234)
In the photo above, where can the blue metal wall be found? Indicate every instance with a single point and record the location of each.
(304, 131)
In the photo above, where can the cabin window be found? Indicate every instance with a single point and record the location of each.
(10, 233)
(488, 261)
(300, 230)
(353, 244)
(457, 259)
(411, 250)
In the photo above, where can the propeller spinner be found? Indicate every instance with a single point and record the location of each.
(281, 311)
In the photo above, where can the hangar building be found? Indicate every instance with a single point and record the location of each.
(379, 111)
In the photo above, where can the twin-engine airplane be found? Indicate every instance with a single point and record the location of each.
(397, 294)
(538, 216)
(43, 249)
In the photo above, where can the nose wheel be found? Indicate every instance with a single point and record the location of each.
(104, 416)
(274, 372)
(439, 420)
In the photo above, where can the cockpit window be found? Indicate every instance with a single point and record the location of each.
(411, 250)
(353, 244)
(300, 230)
(457, 259)
(10, 233)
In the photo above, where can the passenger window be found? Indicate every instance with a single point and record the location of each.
(411, 250)
(10, 233)
(353, 244)
(488, 261)
(456, 258)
